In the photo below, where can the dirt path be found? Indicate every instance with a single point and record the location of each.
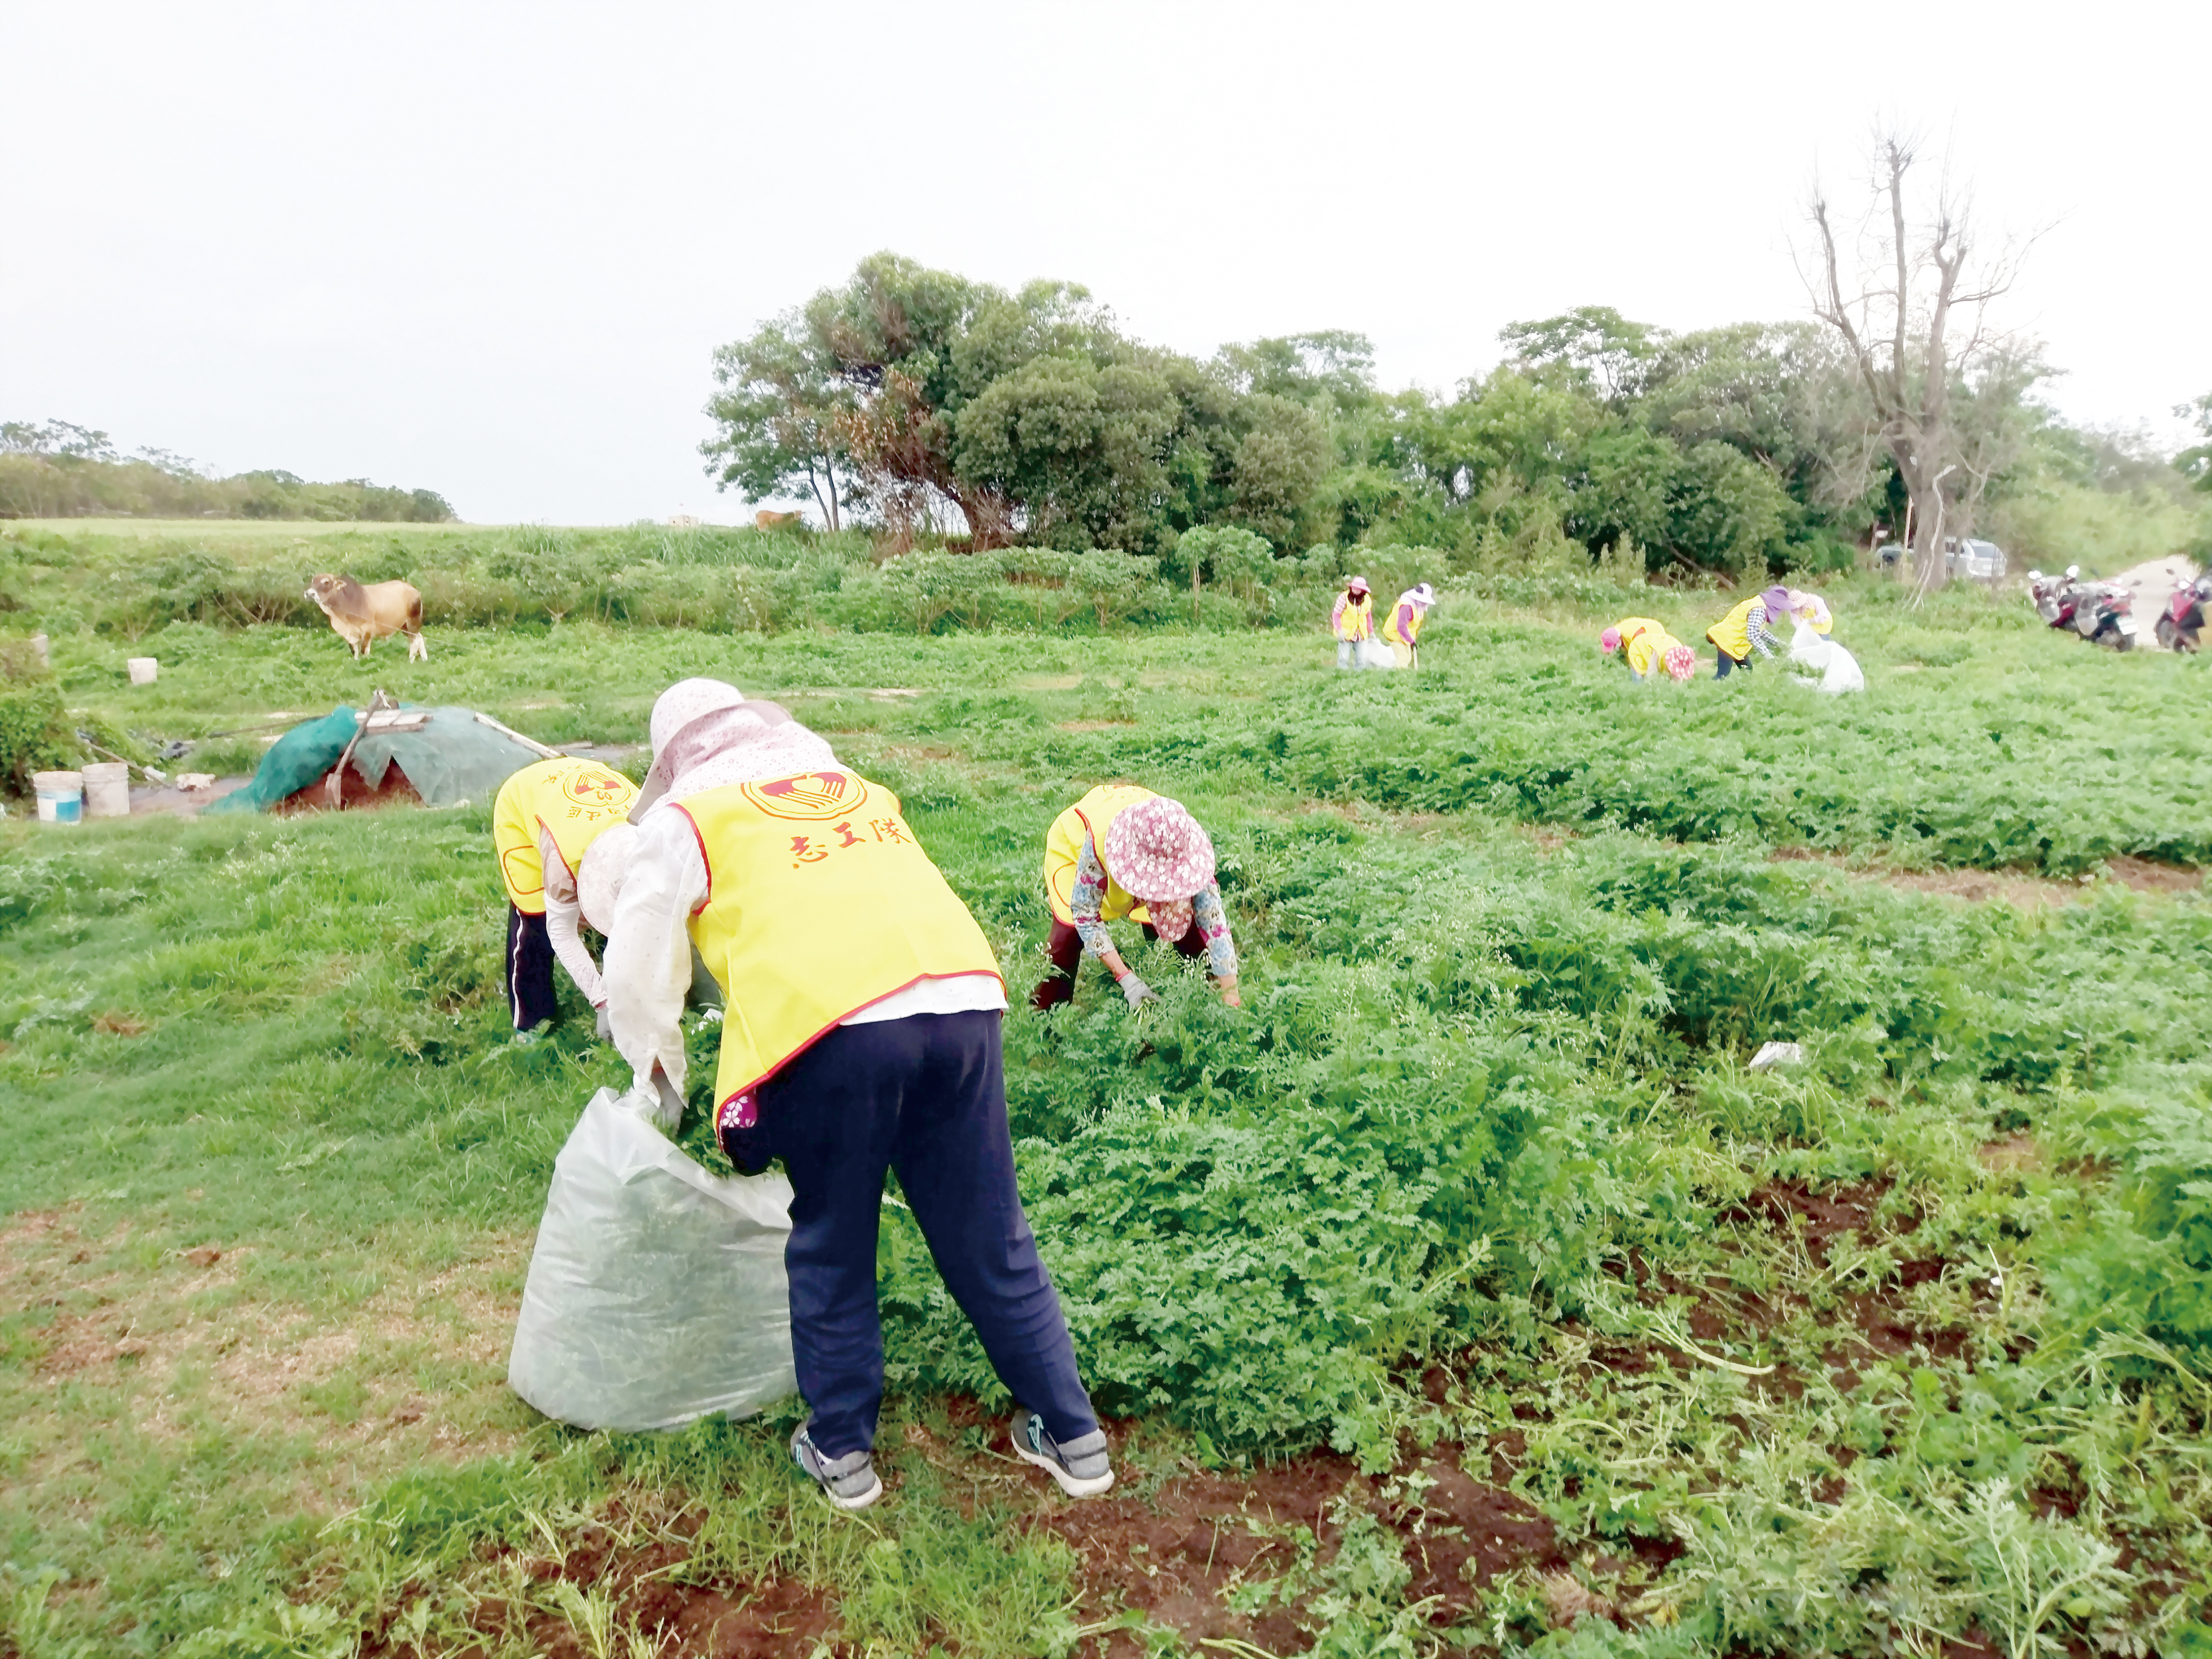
(2153, 583)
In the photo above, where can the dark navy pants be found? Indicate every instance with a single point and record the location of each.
(925, 1097)
(529, 996)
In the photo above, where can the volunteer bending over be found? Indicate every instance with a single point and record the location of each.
(1402, 627)
(1746, 629)
(545, 823)
(863, 1034)
(1353, 621)
(1122, 851)
(1647, 647)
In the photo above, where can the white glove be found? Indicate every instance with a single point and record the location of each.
(658, 1103)
(1136, 990)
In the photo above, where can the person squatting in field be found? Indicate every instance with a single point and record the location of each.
(1744, 629)
(1123, 851)
(1648, 648)
(1402, 627)
(863, 1035)
(1353, 621)
(545, 824)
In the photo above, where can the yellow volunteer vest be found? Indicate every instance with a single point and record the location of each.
(1412, 631)
(1732, 633)
(819, 901)
(1064, 842)
(574, 798)
(1644, 643)
(1357, 622)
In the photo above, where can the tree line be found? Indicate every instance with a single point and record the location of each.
(922, 402)
(59, 470)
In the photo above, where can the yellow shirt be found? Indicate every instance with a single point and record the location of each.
(573, 800)
(1732, 633)
(1063, 842)
(819, 902)
(1403, 625)
(1644, 644)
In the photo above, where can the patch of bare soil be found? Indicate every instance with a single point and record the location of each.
(2015, 887)
(354, 793)
(1090, 725)
(168, 799)
(1976, 886)
(730, 1621)
(2146, 876)
(1880, 1320)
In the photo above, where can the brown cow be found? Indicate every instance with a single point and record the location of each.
(765, 519)
(363, 616)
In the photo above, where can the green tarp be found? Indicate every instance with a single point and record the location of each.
(454, 758)
(293, 761)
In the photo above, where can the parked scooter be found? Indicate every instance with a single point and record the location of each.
(2056, 597)
(2104, 614)
(2182, 627)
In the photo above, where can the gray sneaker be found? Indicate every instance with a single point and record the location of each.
(850, 1482)
(1080, 1465)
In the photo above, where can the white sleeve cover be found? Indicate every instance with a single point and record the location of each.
(649, 952)
(561, 916)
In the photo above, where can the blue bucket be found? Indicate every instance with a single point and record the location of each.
(61, 796)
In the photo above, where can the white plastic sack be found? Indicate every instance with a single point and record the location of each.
(656, 1294)
(1376, 654)
(1837, 669)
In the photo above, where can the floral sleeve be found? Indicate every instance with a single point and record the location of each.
(1087, 898)
(1212, 924)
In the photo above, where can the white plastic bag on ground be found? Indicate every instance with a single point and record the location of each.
(656, 1294)
(1837, 669)
(1376, 654)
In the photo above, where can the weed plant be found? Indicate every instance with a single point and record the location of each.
(1480, 1161)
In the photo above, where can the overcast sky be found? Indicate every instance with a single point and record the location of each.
(489, 249)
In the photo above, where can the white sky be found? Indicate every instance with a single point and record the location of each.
(488, 248)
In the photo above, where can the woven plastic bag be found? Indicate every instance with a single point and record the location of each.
(1376, 654)
(656, 1293)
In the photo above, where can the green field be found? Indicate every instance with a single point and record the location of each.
(1465, 1291)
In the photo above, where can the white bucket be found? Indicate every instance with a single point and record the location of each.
(107, 790)
(142, 669)
(61, 796)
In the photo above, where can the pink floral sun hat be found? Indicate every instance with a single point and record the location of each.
(1681, 661)
(1157, 852)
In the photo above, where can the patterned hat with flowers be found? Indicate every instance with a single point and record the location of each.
(1157, 851)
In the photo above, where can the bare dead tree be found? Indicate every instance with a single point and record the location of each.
(1908, 290)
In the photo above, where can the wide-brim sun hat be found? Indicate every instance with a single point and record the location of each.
(1157, 851)
(685, 704)
(1423, 594)
(1777, 601)
(1680, 662)
(1359, 585)
(1610, 641)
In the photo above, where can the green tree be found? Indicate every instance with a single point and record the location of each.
(778, 406)
(1331, 369)
(1593, 349)
(1029, 412)
(2196, 462)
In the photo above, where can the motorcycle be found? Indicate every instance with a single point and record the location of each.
(2056, 597)
(2182, 627)
(2105, 615)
